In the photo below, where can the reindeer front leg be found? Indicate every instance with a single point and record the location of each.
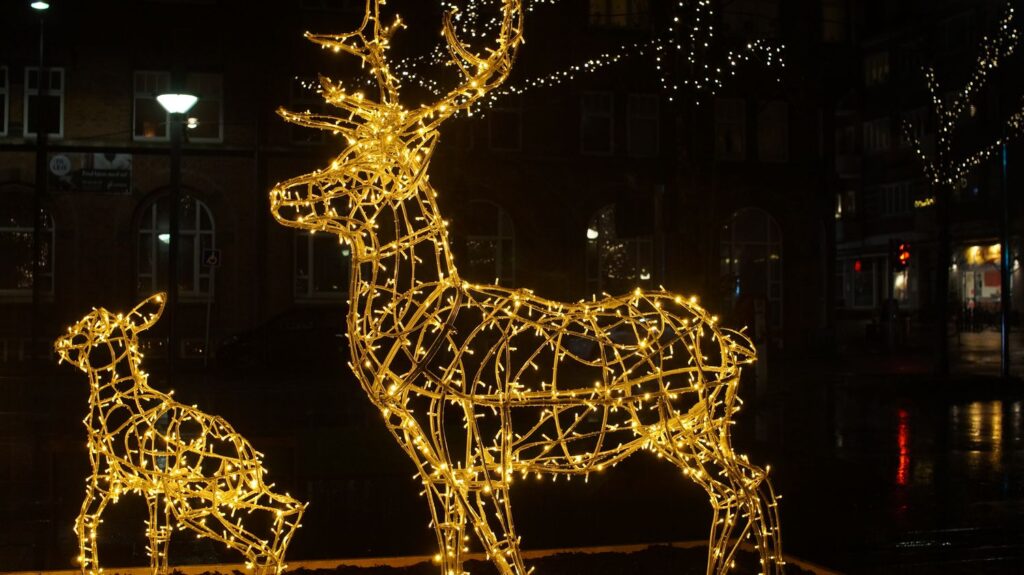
(159, 533)
(87, 524)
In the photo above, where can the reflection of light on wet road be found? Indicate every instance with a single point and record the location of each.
(902, 441)
(981, 429)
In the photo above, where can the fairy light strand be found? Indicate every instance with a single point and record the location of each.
(943, 168)
(483, 384)
(194, 470)
(703, 75)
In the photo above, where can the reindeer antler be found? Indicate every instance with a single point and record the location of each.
(482, 74)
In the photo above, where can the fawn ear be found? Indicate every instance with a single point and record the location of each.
(144, 315)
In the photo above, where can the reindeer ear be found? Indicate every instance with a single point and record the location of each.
(144, 315)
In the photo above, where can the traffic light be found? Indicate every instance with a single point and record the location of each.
(900, 255)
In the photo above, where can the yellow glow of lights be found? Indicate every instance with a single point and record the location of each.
(194, 470)
(481, 383)
(944, 168)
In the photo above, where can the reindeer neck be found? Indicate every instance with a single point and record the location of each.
(407, 259)
(122, 382)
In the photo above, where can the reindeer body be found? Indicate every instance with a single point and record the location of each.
(479, 382)
(143, 441)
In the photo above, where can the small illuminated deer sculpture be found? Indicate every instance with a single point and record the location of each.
(479, 383)
(192, 468)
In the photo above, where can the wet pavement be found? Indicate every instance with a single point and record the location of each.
(881, 469)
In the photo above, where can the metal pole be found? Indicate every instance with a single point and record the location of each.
(42, 83)
(174, 200)
(1004, 274)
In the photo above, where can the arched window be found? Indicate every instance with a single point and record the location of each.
(751, 263)
(16, 229)
(614, 264)
(195, 225)
(490, 244)
(321, 266)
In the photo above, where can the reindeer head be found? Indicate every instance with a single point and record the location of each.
(101, 338)
(389, 146)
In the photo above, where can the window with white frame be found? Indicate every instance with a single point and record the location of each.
(490, 244)
(773, 132)
(751, 261)
(731, 129)
(321, 266)
(619, 13)
(916, 121)
(858, 282)
(196, 234)
(897, 198)
(505, 123)
(208, 110)
(16, 230)
(877, 135)
(614, 264)
(49, 95)
(597, 123)
(4, 100)
(642, 125)
(833, 20)
(150, 120)
(876, 69)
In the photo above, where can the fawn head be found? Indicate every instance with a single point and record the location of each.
(389, 146)
(101, 338)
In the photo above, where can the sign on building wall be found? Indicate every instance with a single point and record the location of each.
(104, 173)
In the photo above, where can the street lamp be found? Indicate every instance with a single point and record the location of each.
(176, 105)
(42, 83)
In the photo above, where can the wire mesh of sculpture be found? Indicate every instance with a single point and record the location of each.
(193, 469)
(480, 384)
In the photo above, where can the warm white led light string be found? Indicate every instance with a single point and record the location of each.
(705, 76)
(480, 384)
(943, 168)
(194, 470)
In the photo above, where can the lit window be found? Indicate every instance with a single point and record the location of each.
(208, 109)
(619, 13)
(614, 264)
(731, 129)
(321, 266)
(877, 135)
(16, 229)
(490, 245)
(196, 234)
(773, 132)
(150, 119)
(751, 263)
(4, 100)
(597, 123)
(833, 20)
(642, 125)
(52, 101)
(876, 69)
(505, 123)
(751, 18)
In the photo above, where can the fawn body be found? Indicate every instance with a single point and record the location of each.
(190, 466)
(479, 383)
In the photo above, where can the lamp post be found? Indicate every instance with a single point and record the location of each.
(176, 105)
(42, 83)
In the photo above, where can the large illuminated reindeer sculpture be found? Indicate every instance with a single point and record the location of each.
(479, 383)
(191, 467)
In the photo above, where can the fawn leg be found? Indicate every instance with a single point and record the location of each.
(88, 521)
(159, 535)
